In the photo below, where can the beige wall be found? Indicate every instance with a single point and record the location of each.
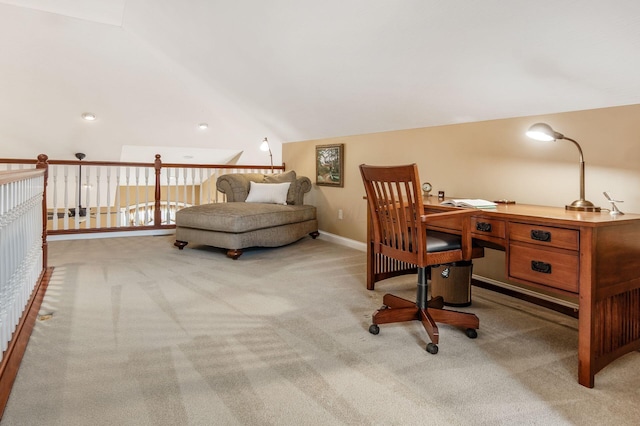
(491, 160)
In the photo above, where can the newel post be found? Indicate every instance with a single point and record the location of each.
(43, 164)
(157, 216)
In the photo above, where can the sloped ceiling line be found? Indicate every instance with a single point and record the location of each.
(296, 70)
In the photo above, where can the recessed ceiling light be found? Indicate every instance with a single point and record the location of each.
(203, 126)
(89, 116)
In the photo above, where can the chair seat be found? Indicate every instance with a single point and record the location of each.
(441, 241)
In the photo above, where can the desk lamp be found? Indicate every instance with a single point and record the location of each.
(544, 132)
(265, 147)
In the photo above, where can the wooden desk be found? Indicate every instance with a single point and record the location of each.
(592, 256)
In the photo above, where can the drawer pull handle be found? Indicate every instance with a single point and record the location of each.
(483, 227)
(539, 235)
(542, 267)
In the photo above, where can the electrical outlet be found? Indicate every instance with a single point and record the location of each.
(340, 214)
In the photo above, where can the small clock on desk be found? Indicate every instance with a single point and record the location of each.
(426, 188)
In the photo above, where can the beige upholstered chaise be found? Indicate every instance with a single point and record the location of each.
(236, 224)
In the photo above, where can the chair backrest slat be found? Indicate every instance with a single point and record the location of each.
(395, 204)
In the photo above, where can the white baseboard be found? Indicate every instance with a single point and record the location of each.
(343, 241)
(94, 235)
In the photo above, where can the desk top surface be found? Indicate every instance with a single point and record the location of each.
(546, 213)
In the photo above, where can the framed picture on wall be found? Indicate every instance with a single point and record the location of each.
(330, 165)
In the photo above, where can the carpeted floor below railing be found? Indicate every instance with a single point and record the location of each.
(136, 332)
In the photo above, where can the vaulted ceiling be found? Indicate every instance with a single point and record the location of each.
(290, 70)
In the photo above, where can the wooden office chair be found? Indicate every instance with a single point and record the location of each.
(399, 231)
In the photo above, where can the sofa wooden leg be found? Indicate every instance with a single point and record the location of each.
(314, 234)
(234, 253)
(180, 244)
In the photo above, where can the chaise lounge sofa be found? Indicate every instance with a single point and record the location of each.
(252, 216)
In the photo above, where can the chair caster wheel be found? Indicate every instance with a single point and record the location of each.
(432, 348)
(471, 333)
(374, 329)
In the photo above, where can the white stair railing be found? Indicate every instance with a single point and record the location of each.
(21, 245)
(96, 196)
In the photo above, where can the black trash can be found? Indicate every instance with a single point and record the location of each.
(453, 282)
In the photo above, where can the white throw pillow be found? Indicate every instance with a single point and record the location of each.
(273, 193)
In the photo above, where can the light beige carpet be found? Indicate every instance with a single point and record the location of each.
(144, 334)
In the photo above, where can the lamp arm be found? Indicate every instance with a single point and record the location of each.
(581, 166)
(577, 146)
(267, 147)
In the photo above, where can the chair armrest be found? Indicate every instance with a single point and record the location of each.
(446, 215)
(462, 217)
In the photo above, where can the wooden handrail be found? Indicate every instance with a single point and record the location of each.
(139, 164)
(16, 175)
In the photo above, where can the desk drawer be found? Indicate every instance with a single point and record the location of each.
(544, 235)
(552, 268)
(481, 226)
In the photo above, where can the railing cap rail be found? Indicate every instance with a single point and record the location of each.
(17, 175)
(139, 164)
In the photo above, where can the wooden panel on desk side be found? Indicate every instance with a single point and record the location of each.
(617, 258)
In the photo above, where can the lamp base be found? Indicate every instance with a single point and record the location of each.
(582, 206)
(82, 212)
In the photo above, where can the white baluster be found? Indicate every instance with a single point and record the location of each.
(177, 188)
(98, 206)
(108, 196)
(65, 222)
(127, 215)
(136, 217)
(208, 186)
(87, 197)
(118, 202)
(78, 191)
(53, 171)
(147, 207)
(184, 187)
(167, 218)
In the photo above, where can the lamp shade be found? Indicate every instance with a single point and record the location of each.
(543, 132)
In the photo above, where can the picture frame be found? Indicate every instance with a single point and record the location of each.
(330, 165)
